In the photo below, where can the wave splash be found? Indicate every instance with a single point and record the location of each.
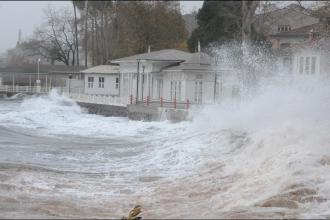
(269, 152)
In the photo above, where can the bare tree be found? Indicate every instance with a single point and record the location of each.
(55, 39)
(76, 31)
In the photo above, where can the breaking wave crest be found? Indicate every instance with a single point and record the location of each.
(274, 146)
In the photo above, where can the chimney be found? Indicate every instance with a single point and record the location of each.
(310, 37)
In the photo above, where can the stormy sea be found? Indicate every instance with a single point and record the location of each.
(266, 156)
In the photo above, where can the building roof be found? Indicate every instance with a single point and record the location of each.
(198, 58)
(322, 44)
(160, 55)
(198, 62)
(299, 32)
(103, 69)
(43, 68)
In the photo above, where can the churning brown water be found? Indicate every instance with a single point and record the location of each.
(268, 157)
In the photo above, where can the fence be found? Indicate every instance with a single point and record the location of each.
(28, 89)
(100, 99)
(147, 101)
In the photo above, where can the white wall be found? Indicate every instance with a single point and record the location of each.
(109, 84)
(75, 85)
(207, 80)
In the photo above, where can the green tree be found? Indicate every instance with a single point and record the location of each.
(218, 21)
(223, 21)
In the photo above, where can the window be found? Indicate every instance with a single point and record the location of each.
(90, 82)
(117, 82)
(175, 90)
(101, 82)
(284, 28)
(313, 65)
(179, 91)
(172, 96)
(307, 65)
(301, 65)
(198, 91)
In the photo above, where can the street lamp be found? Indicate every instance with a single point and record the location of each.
(38, 80)
(70, 77)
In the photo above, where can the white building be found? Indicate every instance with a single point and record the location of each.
(167, 76)
(102, 80)
(311, 57)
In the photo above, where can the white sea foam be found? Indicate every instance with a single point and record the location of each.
(57, 114)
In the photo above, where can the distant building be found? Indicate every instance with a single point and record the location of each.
(286, 28)
(285, 19)
(312, 58)
(173, 5)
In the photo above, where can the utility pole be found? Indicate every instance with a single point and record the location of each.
(38, 80)
(137, 80)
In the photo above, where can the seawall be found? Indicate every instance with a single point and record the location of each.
(137, 112)
(105, 110)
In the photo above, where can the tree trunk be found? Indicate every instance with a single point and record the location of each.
(97, 42)
(248, 11)
(93, 43)
(76, 31)
(107, 37)
(86, 32)
(102, 39)
(73, 58)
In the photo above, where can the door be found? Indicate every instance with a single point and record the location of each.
(176, 90)
(159, 88)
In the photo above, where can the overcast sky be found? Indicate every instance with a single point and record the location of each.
(26, 15)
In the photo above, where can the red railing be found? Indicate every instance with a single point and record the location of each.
(161, 102)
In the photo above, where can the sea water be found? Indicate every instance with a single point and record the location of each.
(261, 157)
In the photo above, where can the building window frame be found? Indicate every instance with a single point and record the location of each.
(90, 82)
(117, 82)
(101, 82)
(307, 65)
